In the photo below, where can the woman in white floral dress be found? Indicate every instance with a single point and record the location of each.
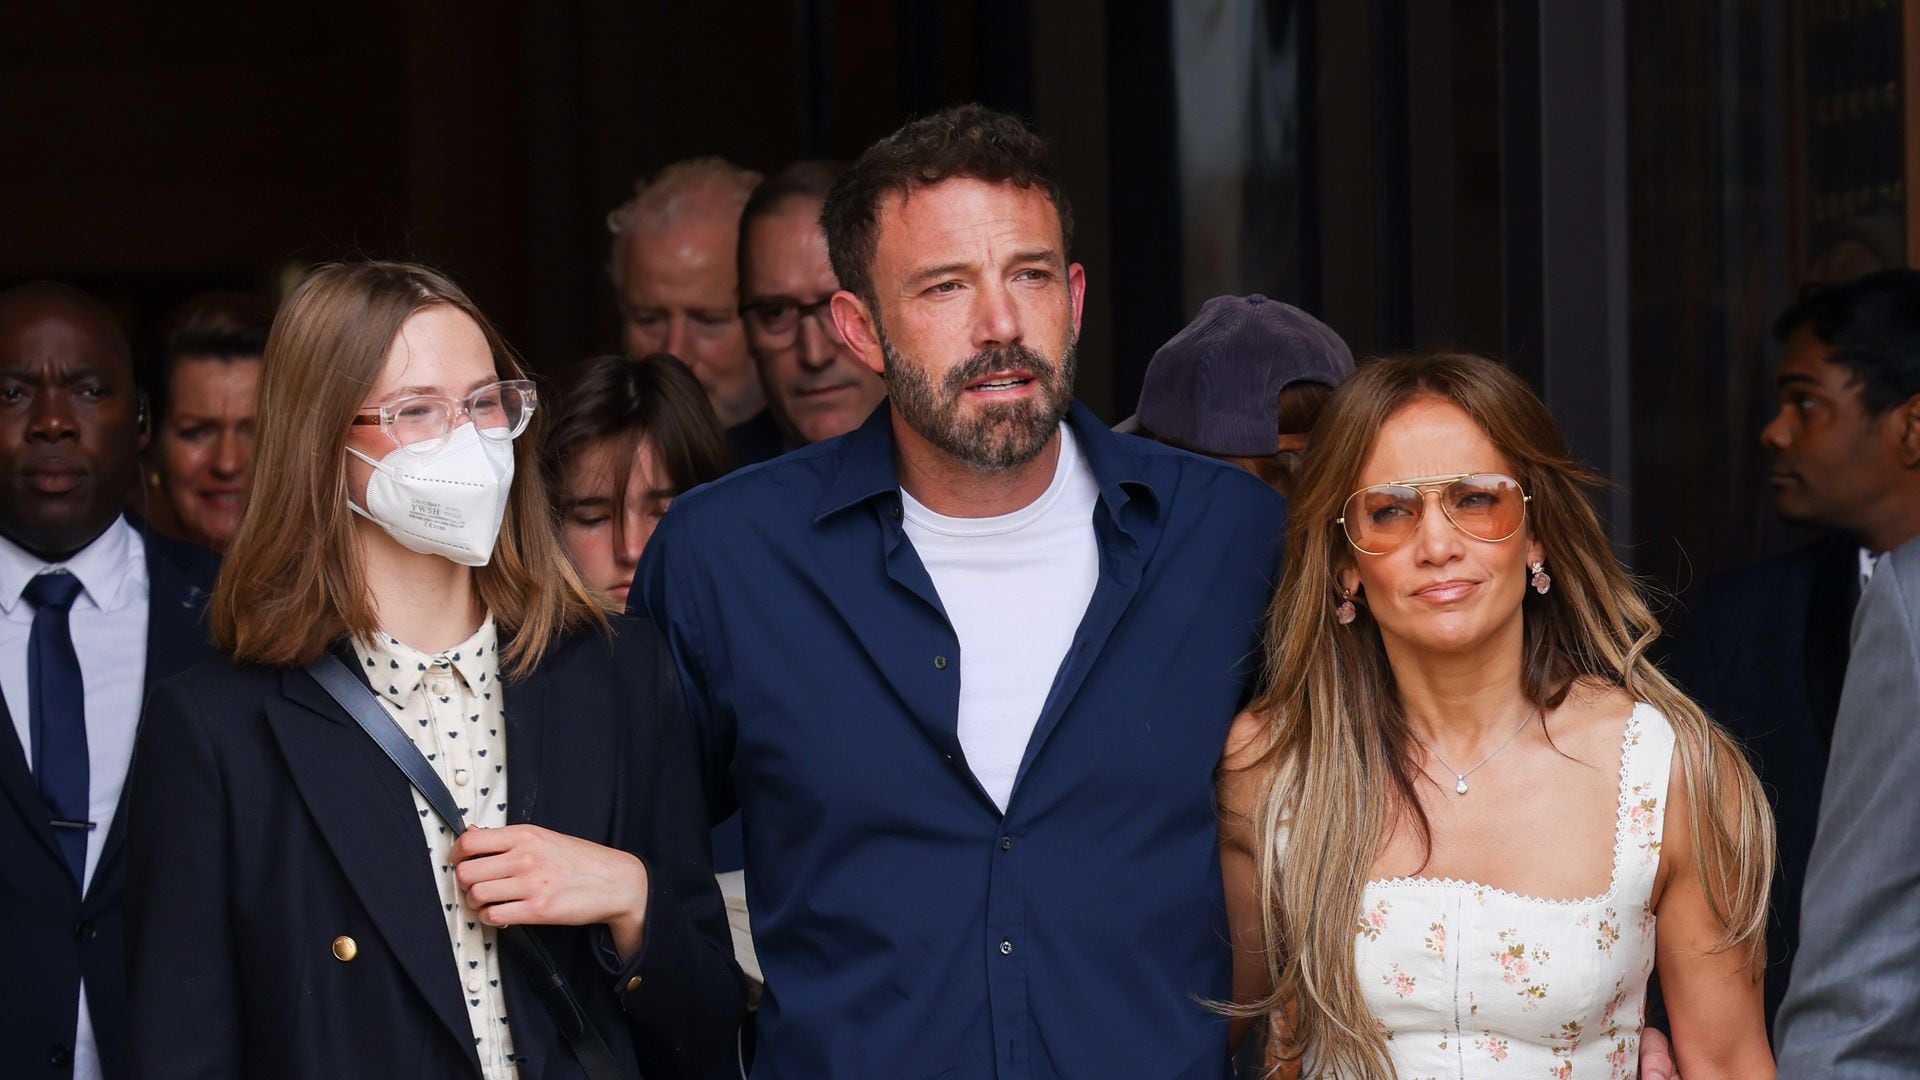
(1467, 818)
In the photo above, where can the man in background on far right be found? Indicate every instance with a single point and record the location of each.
(1765, 651)
(1853, 1008)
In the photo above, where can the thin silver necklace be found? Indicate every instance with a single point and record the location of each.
(1460, 778)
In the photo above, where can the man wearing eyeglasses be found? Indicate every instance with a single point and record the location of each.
(816, 386)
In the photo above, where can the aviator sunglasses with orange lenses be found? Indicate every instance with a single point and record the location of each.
(1485, 506)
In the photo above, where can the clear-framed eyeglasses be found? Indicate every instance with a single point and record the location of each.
(421, 422)
(776, 320)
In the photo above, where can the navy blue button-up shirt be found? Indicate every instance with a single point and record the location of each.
(906, 927)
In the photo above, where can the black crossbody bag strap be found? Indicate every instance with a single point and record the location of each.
(346, 689)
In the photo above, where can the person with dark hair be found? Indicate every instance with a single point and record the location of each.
(94, 609)
(930, 661)
(815, 384)
(203, 416)
(627, 438)
(432, 812)
(1765, 647)
(1243, 382)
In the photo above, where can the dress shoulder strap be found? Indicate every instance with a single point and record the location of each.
(1646, 763)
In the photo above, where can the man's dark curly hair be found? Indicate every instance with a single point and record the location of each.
(1873, 324)
(970, 141)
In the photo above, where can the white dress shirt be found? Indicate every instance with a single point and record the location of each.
(109, 626)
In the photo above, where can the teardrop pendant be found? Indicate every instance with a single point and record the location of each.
(1461, 787)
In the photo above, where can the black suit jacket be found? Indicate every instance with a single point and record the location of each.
(266, 824)
(52, 936)
(756, 439)
(1764, 650)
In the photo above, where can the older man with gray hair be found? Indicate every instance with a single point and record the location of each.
(675, 275)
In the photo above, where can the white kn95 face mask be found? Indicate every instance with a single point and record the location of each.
(448, 501)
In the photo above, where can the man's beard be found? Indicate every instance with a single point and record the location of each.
(1000, 435)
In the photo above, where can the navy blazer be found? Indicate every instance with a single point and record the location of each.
(266, 824)
(53, 936)
(1765, 653)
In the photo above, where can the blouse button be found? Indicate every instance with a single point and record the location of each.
(461, 777)
(473, 985)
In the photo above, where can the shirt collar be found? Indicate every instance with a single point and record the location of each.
(395, 669)
(867, 470)
(104, 567)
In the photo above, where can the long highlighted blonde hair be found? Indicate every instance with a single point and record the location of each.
(1339, 760)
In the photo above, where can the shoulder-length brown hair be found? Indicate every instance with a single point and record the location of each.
(1340, 759)
(293, 582)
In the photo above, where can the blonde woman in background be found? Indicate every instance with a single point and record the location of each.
(1468, 818)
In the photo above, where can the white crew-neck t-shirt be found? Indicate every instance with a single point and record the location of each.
(1015, 588)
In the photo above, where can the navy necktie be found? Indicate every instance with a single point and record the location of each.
(57, 715)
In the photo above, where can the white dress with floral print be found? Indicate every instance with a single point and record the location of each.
(1467, 980)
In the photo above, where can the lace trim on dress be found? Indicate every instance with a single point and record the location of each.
(1622, 816)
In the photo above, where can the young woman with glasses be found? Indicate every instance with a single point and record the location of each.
(1467, 817)
(297, 906)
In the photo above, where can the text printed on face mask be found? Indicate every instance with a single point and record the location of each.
(436, 516)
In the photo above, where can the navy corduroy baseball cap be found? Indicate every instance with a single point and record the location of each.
(1215, 387)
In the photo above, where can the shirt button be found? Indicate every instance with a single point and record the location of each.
(1006, 948)
(473, 985)
(940, 662)
(440, 687)
(461, 777)
(1006, 843)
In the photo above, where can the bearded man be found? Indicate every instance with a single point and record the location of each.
(966, 672)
